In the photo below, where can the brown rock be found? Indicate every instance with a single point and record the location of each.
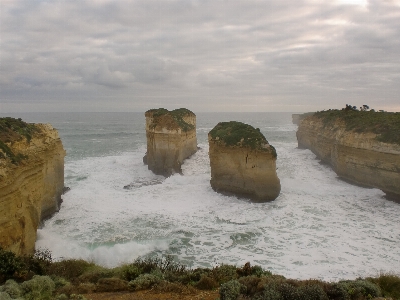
(171, 138)
(242, 162)
(357, 157)
(31, 190)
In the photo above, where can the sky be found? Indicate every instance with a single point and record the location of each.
(205, 55)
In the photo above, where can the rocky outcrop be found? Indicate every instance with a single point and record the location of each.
(171, 138)
(242, 162)
(31, 181)
(356, 155)
(296, 118)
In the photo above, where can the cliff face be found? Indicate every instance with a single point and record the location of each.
(358, 157)
(242, 162)
(31, 189)
(296, 118)
(171, 138)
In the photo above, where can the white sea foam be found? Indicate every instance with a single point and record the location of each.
(319, 227)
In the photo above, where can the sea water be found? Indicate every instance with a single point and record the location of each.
(319, 227)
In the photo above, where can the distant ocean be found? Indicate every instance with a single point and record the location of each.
(319, 227)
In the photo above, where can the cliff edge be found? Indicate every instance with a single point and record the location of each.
(362, 147)
(242, 162)
(171, 138)
(31, 181)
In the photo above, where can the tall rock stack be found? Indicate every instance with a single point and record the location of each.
(171, 138)
(31, 181)
(242, 162)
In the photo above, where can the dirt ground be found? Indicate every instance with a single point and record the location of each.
(151, 295)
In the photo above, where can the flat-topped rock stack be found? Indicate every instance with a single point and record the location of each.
(31, 181)
(242, 161)
(171, 138)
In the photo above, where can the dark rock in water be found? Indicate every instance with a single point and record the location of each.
(66, 189)
(144, 182)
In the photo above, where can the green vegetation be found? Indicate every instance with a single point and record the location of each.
(385, 124)
(14, 130)
(176, 114)
(39, 277)
(239, 134)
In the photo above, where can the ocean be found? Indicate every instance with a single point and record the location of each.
(319, 227)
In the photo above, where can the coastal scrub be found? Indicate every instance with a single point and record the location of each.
(239, 134)
(385, 124)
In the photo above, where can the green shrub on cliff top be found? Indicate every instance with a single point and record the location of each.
(385, 124)
(14, 130)
(235, 133)
(176, 114)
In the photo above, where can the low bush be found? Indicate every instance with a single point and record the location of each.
(38, 288)
(231, 290)
(10, 264)
(144, 281)
(360, 289)
(206, 283)
(112, 285)
(70, 269)
(12, 288)
(389, 284)
(224, 273)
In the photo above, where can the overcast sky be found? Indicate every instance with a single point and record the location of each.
(206, 55)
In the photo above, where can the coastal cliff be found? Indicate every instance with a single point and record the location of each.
(363, 147)
(242, 162)
(31, 181)
(171, 138)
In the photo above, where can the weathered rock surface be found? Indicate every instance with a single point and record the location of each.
(358, 157)
(242, 162)
(171, 138)
(30, 187)
(296, 118)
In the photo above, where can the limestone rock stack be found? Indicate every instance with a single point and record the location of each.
(356, 155)
(31, 181)
(242, 162)
(171, 138)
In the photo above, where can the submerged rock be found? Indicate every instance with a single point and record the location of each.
(171, 138)
(242, 162)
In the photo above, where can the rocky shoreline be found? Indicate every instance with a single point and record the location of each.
(31, 181)
(358, 153)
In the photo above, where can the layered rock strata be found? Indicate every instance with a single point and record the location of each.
(356, 155)
(31, 182)
(242, 162)
(171, 138)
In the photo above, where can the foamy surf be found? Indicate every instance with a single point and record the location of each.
(319, 227)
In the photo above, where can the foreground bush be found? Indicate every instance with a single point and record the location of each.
(38, 277)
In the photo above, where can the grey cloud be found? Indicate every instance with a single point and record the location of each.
(279, 55)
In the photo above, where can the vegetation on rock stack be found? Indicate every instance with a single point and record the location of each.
(176, 114)
(39, 277)
(12, 130)
(235, 133)
(385, 124)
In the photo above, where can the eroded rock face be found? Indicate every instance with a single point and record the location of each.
(242, 162)
(356, 157)
(30, 187)
(171, 138)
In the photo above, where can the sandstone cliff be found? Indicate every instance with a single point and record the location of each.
(171, 137)
(242, 162)
(360, 146)
(31, 181)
